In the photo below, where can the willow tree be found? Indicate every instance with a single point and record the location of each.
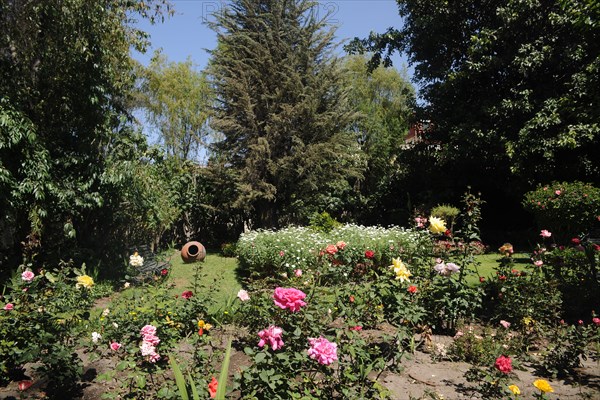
(282, 111)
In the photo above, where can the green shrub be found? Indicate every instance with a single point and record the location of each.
(446, 212)
(228, 250)
(323, 222)
(564, 208)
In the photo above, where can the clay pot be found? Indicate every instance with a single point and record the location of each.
(193, 251)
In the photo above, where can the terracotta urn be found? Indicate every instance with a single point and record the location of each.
(193, 251)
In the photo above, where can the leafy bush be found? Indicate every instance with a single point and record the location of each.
(447, 212)
(44, 313)
(323, 222)
(564, 208)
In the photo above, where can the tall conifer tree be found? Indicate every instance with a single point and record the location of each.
(283, 115)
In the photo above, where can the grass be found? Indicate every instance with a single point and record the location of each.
(491, 261)
(215, 274)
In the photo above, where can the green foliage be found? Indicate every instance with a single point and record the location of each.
(62, 116)
(176, 99)
(568, 347)
(567, 209)
(49, 314)
(283, 116)
(384, 99)
(520, 297)
(323, 222)
(484, 69)
(446, 212)
(573, 270)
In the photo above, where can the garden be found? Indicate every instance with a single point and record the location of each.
(288, 214)
(328, 310)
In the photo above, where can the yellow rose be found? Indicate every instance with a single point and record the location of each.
(85, 281)
(543, 385)
(402, 273)
(515, 389)
(437, 225)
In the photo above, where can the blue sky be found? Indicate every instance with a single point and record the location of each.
(186, 34)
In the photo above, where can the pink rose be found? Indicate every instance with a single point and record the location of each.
(503, 364)
(289, 298)
(298, 273)
(27, 276)
(557, 192)
(322, 350)
(115, 346)
(545, 234)
(575, 241)
(243, 295)
(281, 253)
(148, 330)
(187, 294)
(272, 337)
(340, 245)
(331, 249)
(538, 263)
(9, 307)
(505, 324)
(596, 321)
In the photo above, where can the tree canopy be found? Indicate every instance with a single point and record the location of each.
(177, 101)
(65, 79)
(512, 87)
(282, 111)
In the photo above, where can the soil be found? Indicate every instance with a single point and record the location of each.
(420, 378)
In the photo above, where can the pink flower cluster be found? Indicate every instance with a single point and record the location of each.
(420, 222)
(149, 343)
(503, 364)
(289, 298)
(446, 269)
(322, 350)
(271, 336)
(545, 234)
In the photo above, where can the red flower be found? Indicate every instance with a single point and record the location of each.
(481, 279)
(164, 272)
(281, 253)
(503, 364)
(575, 241)
(201, 331)
(502, 277)
(212, 387)
(596, 321)
(412, 289)
(356, 328)
(351, 299)
(448, 233)
(597, 247)
(24, 385)
(369, 254)
(187, 294)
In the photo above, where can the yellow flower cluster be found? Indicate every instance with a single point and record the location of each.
(402, 273)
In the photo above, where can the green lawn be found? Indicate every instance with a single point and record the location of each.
(490, 261)
(216, 274)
